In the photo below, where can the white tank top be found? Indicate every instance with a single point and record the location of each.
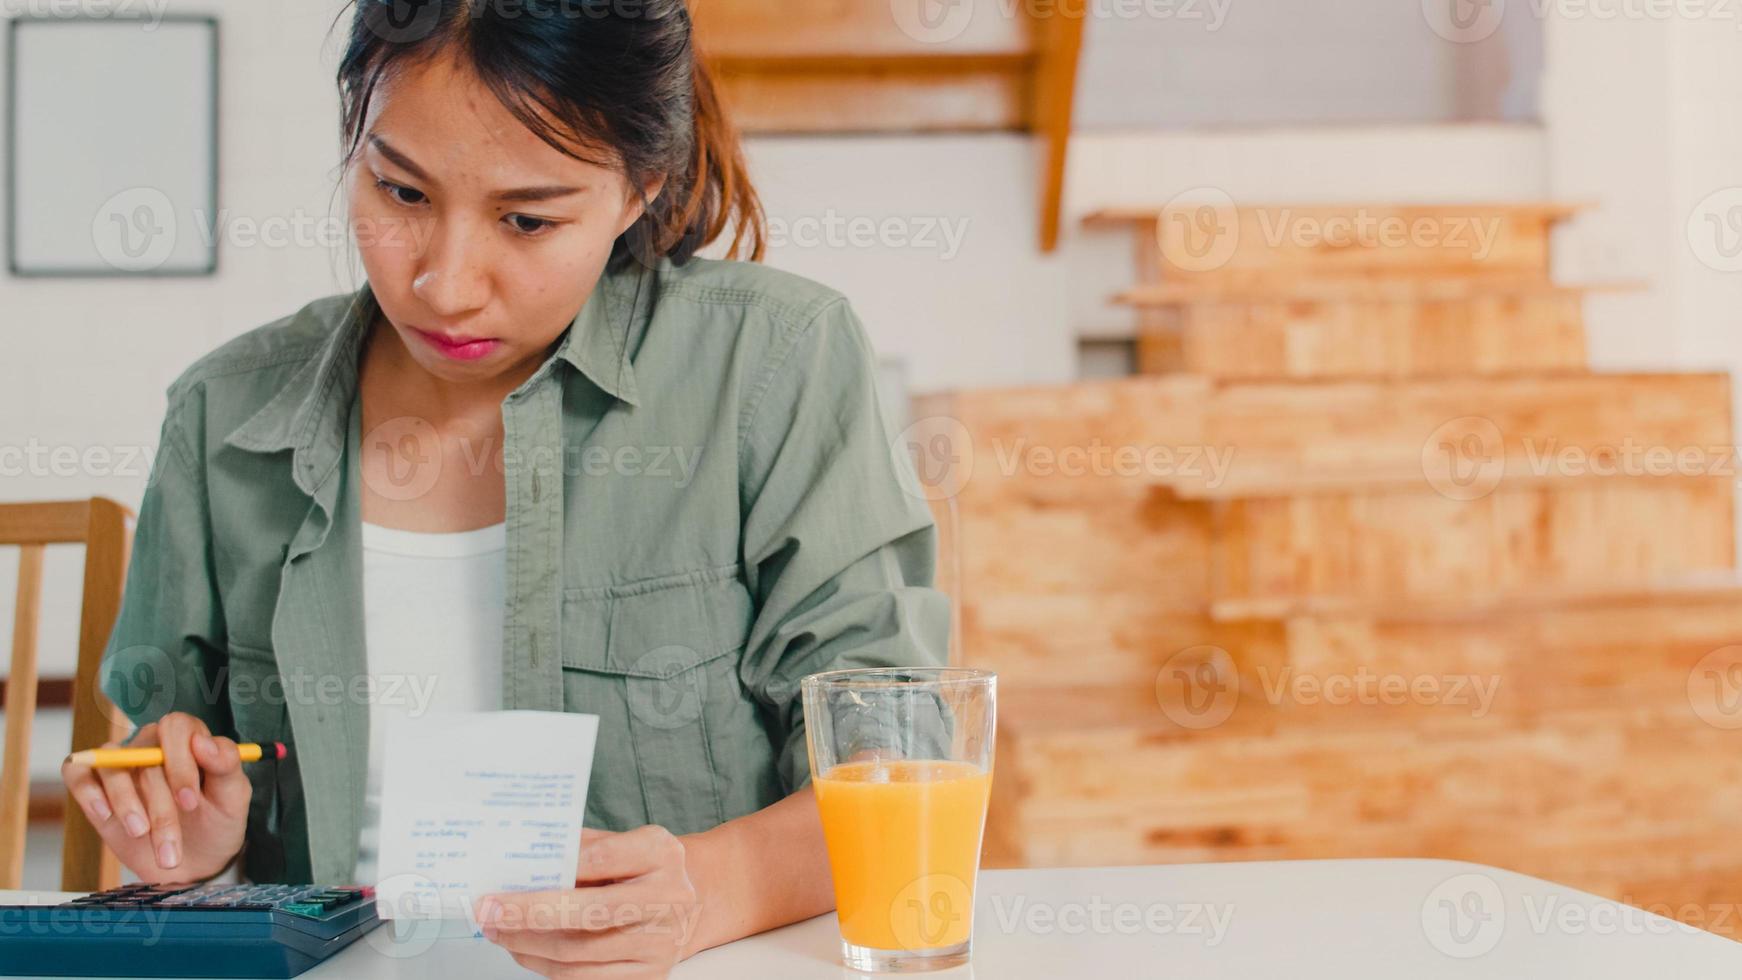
(432, 626)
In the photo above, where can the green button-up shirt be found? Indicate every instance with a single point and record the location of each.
(704, 505)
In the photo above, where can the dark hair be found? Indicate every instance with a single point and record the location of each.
(611, 82)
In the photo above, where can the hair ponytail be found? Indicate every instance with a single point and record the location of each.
(721, 195)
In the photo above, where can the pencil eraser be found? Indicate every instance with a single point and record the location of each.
(278, 750)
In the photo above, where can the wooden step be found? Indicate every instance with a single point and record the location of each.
(1462, 436)
(1541, 333)
(1719, 586)
(1326, 329)
(1610, 795)
(1414, 289)
(1410, 546)
(1214, 237)
(1457, 437)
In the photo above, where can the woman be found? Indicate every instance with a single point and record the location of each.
(542, 459)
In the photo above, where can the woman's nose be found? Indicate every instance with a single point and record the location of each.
(451, 281)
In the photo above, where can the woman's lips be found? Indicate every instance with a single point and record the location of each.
(458, 348)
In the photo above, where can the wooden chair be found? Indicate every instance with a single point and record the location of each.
(105, 528)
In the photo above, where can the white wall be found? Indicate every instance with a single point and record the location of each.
(1641, 117)
(1173, 63)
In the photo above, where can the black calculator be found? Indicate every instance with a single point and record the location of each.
(204, 930)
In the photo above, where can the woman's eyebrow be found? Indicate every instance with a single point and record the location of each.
(534, 194)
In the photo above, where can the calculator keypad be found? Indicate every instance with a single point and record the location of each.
(311, 901)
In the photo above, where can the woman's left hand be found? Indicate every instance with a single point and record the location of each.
(632, 913)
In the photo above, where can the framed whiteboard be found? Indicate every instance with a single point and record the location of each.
(112, 146)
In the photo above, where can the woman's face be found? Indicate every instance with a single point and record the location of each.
(481, 242)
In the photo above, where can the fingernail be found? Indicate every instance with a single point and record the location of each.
(101, 807)
(187, 799)
(168, 856)
(489, 911)
(136, 825)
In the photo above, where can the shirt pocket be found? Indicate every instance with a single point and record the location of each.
(657, 662)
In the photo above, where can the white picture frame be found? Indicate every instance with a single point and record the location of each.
(112, 146)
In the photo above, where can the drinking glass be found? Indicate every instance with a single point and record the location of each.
(901, 761)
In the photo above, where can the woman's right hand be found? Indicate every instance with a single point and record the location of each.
(182, 821)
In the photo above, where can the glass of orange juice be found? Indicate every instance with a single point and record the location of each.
(901, 760)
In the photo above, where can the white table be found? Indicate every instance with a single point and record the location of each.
(1307, 920)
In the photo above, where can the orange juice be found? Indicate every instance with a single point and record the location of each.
(904, 844)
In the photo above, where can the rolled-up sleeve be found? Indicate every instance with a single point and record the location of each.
(165, 653)
(839, 545)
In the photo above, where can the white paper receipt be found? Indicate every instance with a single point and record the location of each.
(482, 802)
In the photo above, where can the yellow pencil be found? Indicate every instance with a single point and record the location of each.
(140, 758)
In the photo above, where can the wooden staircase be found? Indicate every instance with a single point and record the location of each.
(1366, 564)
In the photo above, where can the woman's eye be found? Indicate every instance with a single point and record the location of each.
(397, 192)
(528, 225)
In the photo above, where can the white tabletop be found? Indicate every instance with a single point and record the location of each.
(1307, 920)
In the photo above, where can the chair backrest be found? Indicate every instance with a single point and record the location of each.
(105, 528)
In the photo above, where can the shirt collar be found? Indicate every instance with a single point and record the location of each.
(602, 340)
(309, 414)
